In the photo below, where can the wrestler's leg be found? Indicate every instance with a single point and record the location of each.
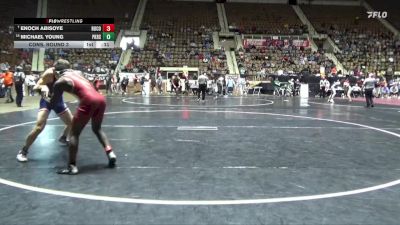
(39, 127)
(66, 117)
(97, 120)
(79, 121)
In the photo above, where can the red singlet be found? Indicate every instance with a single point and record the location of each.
(92, 104)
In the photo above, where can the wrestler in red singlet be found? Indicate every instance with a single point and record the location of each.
(92, 106)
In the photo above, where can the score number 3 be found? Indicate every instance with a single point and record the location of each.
(108, 28)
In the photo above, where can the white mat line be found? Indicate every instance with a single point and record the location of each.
(196, 128)
(216, 128)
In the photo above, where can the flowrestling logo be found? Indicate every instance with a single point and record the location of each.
(377, 14)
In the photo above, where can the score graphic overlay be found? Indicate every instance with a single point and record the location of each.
(64, 33)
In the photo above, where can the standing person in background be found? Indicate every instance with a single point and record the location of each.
(159, 84)
(195, 87)
(142, 81)
(124, 84)
(108, 82)
(230, 85)
(30, 82)
(347, 89)
(334, 87)
(118, 84)
(323, 87)
(176, 84)
(220, 84)
(19, 79)
(202, 81)
(215, 88)
(113, 84)
(242, 86)
(2, 87)
(96, 82)
(369, 85)
(187, 85)
(8, 83)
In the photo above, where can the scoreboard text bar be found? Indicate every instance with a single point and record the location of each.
(63, 20)
(63, 44)
(64, 33)
(62, 28)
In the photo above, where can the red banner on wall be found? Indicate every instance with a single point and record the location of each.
(254, 42)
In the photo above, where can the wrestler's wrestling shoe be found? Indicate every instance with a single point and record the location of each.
(112, 159)
(22, 156)
(63, 140)
(70, 170)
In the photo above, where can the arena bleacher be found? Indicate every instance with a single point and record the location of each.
(180, 35)
(183, 34)
(364, 43)
(256, 18)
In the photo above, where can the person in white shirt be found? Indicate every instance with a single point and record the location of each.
(323, 87)
(334, 87)
(202, 81)
(30, 82)
(347, 89)
(242, 86)
(159, 84)
(220, 84)
(369, 85)
(230, 84)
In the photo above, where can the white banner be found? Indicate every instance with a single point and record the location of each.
(133, 76)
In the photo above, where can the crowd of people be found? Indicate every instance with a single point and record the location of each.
(364, 44)
(280, 58)
(369, 87)
(255, 18)
(191, 46)
(16, 78)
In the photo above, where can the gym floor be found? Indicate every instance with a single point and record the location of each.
(236, 160)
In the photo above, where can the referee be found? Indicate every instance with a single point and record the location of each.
(369, 85)
(202, 81)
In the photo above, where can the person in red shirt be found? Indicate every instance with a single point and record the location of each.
(91, 107)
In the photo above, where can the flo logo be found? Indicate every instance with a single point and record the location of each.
(377, 14)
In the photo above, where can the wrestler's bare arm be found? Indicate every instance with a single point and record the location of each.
(46, 78)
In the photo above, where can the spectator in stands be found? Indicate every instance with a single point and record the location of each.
(4, 66)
